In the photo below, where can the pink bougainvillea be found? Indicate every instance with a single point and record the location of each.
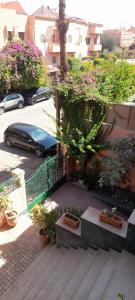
(23, 65)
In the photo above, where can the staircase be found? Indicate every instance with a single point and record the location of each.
(77, 274)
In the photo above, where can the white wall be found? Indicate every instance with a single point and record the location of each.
(76, 30)
(42, 27)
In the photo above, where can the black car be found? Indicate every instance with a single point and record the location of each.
(36, 94)
(30, 137)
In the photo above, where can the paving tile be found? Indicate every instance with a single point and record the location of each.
(18, 248)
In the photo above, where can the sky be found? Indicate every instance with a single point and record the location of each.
(113, 14)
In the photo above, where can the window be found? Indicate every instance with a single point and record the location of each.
(80, 39)
(54, 38)
(15, 96)
(42, 38)
(77, 36)
(95, 40)
(21, 35)
(70, 38)
(54, 60)
(10, 97)
(10, 36)
(38, 134)
(87, 41)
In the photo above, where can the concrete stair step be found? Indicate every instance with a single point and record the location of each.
(49, 276)
(91, 276)
(62, 276)
(31, 276)
(77, 277)
(105, 276)
(123, 279)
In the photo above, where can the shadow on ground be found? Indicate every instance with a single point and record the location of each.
(19, 158)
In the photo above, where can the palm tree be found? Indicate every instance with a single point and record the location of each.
(62, 26)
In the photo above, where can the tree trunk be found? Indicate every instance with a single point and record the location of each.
(62, 26)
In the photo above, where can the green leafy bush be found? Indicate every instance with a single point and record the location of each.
(116, 166)
(116, 81)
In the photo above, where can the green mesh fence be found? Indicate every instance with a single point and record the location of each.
(10, 185)
(43, 180)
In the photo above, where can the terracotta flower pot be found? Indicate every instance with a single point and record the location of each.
(71, 220)
(52, 240)
(44, 238)
(2, 219)
(112, 220)
(11, 218)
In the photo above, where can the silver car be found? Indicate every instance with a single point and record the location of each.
(10, 101)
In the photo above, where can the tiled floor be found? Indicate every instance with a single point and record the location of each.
(20, 245)
(18, 248)
(71, 195)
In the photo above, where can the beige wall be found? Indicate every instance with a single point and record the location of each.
(9, 20)
(18, 196)
(124, 38)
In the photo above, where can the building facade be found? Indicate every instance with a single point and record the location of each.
(82, 38)
(13, 22)
(124, 38)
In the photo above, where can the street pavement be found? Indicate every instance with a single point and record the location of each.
(11, 158)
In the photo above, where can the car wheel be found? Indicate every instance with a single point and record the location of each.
(20, 105)
(8, 142)
(2, 110)
(39, 153)
(48, 97)
(33, 101)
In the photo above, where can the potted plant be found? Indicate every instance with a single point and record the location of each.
(11, 216)
(110, 217)
(52, 235)
(71, 220)
(3, 207)
(81, 177)
(46, 222)
(51, 217)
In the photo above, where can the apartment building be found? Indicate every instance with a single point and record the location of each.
(82, 38)
(124, 38)
(94, 38)
(13, 21)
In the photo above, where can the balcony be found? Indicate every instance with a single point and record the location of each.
(95, 30)
(55, 48)
(93, 47)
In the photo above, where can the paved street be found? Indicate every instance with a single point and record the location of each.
(11, 158)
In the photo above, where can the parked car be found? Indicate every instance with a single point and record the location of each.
(12, 100)
(36, 94)
(30, 137)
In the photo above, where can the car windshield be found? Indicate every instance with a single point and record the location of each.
(38, 134)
